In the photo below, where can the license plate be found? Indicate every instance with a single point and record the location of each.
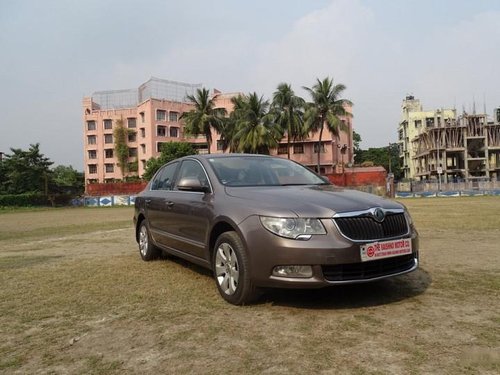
(385, 249)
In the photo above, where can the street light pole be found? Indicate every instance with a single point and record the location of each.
(438, 138)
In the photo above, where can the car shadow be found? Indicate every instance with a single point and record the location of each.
(349, 296)
(370, 294)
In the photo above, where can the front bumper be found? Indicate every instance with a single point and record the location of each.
(333, 258)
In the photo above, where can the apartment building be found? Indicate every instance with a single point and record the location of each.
(414, 120)
(152, 114)
(438, 145)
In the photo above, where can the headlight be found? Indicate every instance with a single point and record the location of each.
(296, 228)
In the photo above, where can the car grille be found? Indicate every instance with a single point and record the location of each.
(368, 270)
(362, 228)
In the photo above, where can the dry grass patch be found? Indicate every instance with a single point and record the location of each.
(80, 300)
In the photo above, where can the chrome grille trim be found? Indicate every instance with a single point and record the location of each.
(366, 227)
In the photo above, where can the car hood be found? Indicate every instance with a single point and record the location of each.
(307, 201)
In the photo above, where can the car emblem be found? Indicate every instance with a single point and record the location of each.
(378, 214)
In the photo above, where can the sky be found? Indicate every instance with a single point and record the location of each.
(53, 53)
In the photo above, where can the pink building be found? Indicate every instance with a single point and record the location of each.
(152, 114)
(335, 153)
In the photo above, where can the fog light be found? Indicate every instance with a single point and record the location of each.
(292, 271)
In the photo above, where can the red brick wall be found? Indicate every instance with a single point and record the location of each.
(362, 177)
(117, 188)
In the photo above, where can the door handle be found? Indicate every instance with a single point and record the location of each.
(148, 201)
(169, 203)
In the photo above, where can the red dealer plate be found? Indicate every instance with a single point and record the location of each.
(385, 249)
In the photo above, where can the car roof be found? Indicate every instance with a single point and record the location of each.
(227, 155)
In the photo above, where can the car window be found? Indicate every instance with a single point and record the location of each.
(164, 179)
(253, 171)
(193, 169)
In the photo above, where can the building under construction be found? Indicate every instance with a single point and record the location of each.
(465, 148)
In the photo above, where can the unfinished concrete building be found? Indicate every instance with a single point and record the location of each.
(463, 149)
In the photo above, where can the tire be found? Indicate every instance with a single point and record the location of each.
(231, 270)
(147, 249)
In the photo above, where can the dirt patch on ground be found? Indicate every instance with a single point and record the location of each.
(76, 298)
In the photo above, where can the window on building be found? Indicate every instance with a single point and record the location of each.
(158, 146)
(132, 137)
(220, 145)
(91, 139)
(109, 168)
(142, 116)
(91, 125)
(143, 162)
(132, 152)
(108, 138)
(108, 153)
(161, 115)
(173, 116)
(143, 133)
(161, 131)
(108, 124)
(143, 148)
(92, 168)
(174, 132)
(282, 149)
(429, 122)
(92, 154)
(401, 135)
(131, 122)
(418, 123)
(298, 148)
(315, 147)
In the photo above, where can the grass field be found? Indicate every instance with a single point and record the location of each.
(76, 298)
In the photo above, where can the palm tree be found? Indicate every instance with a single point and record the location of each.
(289, 115)
(255, 131)
(327, 109)
(204, 117)
(229, 125)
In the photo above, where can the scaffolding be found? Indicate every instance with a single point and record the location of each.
(467, 148)
(154, 88)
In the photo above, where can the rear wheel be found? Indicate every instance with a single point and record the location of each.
(147, 249)
(231, 270)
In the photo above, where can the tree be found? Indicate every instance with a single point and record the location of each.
(255, 131)
(204, 117)
(66, 178)
(169, 152)
(25, 171)
(356, 142)
(120, 135)
(383, 156)
(326, 109)
(287, 109)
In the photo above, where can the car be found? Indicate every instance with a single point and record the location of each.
(259, 221)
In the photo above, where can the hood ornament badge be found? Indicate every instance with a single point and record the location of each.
(378, 214)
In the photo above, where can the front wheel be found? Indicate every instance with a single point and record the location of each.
(147, 249)
(231, 270)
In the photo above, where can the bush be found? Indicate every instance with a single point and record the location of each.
(23, 200)
(34, 199)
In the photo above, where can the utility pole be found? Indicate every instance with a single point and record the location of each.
(439, 170)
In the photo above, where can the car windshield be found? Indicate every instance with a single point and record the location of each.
(262, 171)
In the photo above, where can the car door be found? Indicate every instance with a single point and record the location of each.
(159, 204)
(189, 215)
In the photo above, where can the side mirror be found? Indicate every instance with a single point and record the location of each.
(192, 184)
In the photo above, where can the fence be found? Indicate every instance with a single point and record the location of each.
(449, 189)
